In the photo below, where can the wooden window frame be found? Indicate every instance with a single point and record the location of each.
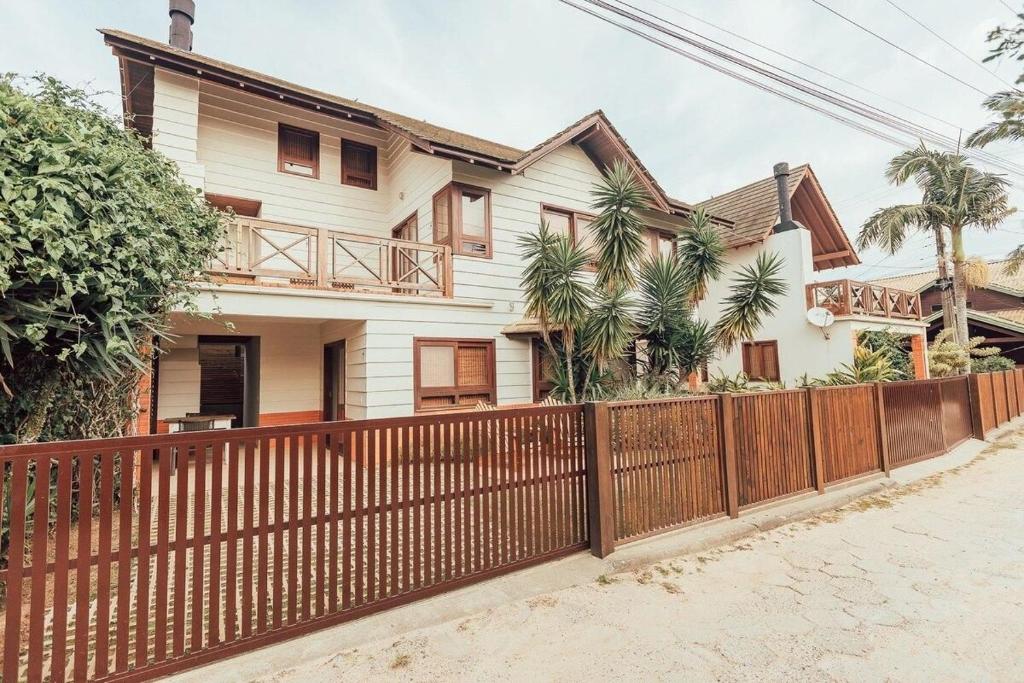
(455, 237)
(347, 173)
(749, 347)
(281, 157)
(655, 235)
(574, 216)
(249, 208)
(419, 392)
(541, 386)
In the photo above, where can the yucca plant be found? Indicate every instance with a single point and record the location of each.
(619, 230)
(754, 295)
(867, 366)
(947, 358)
(702, 253)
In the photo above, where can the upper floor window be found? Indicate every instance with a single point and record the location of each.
(462, 219)
(573, 224)
(662, 243)
(358, 165)
(298, 151)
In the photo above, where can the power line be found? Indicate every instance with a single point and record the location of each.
(803, 85)
(951, 45)
(1007, 6)
(805, 64)
(898, 47)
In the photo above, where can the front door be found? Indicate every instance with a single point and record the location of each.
(334, 381)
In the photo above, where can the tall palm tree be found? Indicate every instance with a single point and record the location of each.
(955, 196)
(755, 292)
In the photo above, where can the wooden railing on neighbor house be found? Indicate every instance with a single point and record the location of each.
(267, 252)
(135, 557)
(849, 297)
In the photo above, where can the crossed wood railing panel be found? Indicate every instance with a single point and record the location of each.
(849, 297)
(256, 250)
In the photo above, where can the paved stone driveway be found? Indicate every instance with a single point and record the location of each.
(922, 584)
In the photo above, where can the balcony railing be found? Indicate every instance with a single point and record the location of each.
(848, 297)
(266, 252)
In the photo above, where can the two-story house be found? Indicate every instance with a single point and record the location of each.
(373, 268)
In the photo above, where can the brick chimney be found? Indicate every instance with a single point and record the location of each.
(182, 14)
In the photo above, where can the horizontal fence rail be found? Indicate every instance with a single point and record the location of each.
(131, 558)
(203, 544)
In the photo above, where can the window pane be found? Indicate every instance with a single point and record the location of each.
(665, 245)
(558, 223)
(437, 366)
(585, 236)
(474, 214)
(473, 366)
(298, 150)
(442, 228)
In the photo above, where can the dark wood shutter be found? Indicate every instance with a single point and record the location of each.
(474, 375)
(358, 165)
(298, 151)
(761, 360)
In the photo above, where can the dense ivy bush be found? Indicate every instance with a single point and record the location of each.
(100, 238)
(894, 349)
(992, 363)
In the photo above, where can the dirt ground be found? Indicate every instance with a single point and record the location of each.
(922, 583)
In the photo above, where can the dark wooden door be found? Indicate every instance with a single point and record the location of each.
(334, 381)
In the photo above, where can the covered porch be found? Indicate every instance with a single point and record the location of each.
(255, 371)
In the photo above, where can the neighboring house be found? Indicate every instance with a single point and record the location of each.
(810, 239)
(373, 269)
(994, 311)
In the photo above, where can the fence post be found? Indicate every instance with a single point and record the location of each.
(814, 426)
(727, 415)
(974, 393)
(600, 498)
(883, 433)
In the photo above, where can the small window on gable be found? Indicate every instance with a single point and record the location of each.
(462, 219)
(298, 151)
(662, 243)
(358, 165)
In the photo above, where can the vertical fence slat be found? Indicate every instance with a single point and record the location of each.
(144, 535)
(62, 541)
(83, 569)
(15, 567)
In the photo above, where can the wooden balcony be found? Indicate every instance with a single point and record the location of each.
(257, 251)
(848, 297)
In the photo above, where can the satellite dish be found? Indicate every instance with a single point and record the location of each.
(821, 317)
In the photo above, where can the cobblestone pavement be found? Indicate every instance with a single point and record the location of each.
(921, 583)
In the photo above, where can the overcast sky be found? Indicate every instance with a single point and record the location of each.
(517, 70)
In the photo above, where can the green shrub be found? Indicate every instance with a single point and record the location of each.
(992, 364)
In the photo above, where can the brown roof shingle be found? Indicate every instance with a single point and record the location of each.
(999, 278)
(753, 208)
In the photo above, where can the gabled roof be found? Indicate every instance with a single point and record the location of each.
(999, 279)
(1011, 319)
(754, 211)
(594, 132)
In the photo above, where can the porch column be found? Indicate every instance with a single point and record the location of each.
(918, 357)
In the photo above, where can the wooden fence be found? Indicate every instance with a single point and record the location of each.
(227, 540)
(133, 558)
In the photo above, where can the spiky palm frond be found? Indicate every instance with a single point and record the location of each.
(610, 327)
(701, 251)
(694, 345)
(1009, 107)
(1016, 259)
(568, 301)
(754, 295)
(619, 231)
(867, 366)
(538, 275)
(890, 227)
(663, 308)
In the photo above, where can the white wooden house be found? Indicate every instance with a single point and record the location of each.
(373, 268)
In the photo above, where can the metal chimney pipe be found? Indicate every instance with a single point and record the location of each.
(782, 187)
(182, 13)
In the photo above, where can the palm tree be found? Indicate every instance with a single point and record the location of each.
(635, 298)
(619, 231)
(701, 252)
(955, 196)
